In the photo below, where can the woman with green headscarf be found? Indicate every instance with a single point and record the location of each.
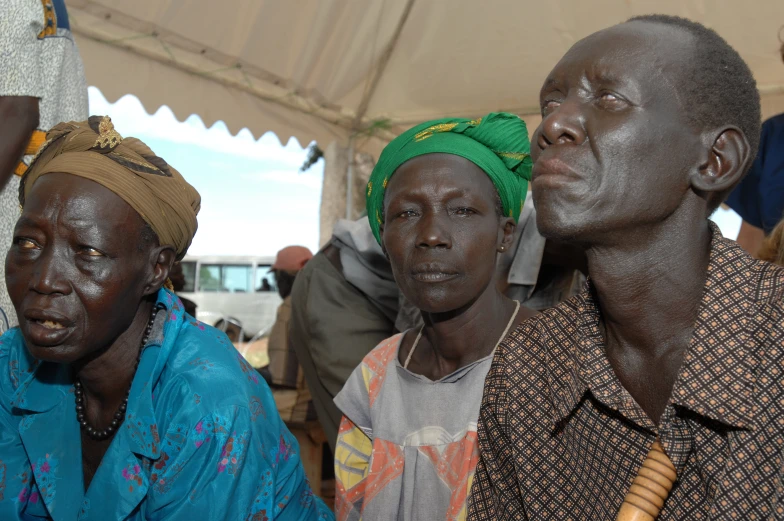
(443, 202)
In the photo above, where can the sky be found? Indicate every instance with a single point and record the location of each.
(254, 199)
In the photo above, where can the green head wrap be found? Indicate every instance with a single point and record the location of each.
(497, 143)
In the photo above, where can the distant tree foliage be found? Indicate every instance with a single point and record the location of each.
(314, 154)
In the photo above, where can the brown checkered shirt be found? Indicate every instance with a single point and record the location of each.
(560, 438)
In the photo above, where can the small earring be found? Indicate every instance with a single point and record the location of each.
(503, 248)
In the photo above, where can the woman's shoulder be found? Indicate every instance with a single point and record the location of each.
(15, 361)
(367, 381)
(11, 340)
(384, 353)
(197, 338)
(204, 367)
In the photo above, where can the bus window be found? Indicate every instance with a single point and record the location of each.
(209, 277)
(189, 273)
(265, 279)
(225, 277)
(236, 279)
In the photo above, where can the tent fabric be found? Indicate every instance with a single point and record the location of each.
(326, 70)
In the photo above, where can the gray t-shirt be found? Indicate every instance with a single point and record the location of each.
(409, 450)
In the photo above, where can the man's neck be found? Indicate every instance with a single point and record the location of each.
(653, 284)
(649, 288)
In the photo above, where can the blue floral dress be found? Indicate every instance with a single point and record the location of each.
(202, 438)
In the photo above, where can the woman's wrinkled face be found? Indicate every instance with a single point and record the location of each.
(77, 269)
(442, 231)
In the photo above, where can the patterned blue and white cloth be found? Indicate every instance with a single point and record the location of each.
(202, 438)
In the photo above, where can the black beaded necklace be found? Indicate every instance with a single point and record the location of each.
(119, 416)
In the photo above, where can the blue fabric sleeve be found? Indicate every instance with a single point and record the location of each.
(294, 499)
(15, 473)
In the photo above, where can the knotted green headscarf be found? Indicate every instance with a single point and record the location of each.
(497, 143)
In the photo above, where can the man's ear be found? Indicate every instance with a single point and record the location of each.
(728, 157)
(162, 259)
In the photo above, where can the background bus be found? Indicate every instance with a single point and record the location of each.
(237, 290)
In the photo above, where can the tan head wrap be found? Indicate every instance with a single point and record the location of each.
(94, 150)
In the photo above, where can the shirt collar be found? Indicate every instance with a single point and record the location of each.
(590, 370)
(717, 376)
(569, 387)
(155, 354)
(47, 383)
(719, 349)
(44, 386)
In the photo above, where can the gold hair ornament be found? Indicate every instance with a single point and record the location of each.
(107, 136)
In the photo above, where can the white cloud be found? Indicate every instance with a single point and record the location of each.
(311, 179)
(131, 119)
(264, 204)
(226, 237)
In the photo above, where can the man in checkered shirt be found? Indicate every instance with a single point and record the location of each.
(679, 334)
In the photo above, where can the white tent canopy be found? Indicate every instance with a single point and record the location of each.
(327, 69)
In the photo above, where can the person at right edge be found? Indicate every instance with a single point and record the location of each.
(679, 333)
(759, 198)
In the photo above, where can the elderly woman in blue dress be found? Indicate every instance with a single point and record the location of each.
(114, 403)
